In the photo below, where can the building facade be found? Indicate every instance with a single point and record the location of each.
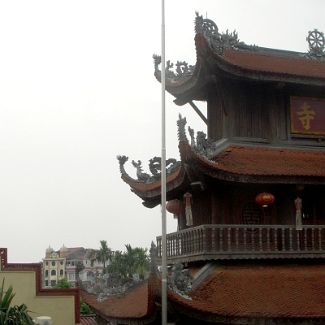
(54, 268)
(76, 264)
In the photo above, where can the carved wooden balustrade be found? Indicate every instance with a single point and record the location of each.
(244, 242)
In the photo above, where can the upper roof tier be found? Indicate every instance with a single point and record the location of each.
(222, 53)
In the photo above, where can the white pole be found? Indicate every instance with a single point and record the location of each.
(163, 172)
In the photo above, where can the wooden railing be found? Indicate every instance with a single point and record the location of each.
(244, 242)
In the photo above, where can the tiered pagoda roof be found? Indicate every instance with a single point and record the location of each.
(226, 291)
(224, 54)
(231, 162)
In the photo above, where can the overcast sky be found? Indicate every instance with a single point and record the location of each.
(77, 89)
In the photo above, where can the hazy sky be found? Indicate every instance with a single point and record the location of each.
(77, 89)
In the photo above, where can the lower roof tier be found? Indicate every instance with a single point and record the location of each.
(231, 163)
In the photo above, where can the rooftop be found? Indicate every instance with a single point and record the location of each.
(249, 160)
(136, 303)
(260, 290)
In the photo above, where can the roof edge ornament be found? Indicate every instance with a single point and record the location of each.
(174, 72)
(122, 160)
(217, 41)
(316, 42)
(201, 144)
(181, 133)
(154, 167)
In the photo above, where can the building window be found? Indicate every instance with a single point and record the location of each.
(61, 262)
(46, 263)
(53, 283)
(53, 272)
(61, 272)
(251, 214)
(46, 273)
(53, 263)
(46, 283)
(71, 276)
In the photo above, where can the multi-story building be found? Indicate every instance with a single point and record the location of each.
(75, 264)
(53, 268)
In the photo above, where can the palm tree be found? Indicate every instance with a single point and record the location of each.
(104, 254)
(12, 315)
(136, 261)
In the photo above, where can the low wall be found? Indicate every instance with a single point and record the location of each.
(62, 305)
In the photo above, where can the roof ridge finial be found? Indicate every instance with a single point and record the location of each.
(316, 42)
(181, 123)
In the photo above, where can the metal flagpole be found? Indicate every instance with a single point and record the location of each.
(163, 172)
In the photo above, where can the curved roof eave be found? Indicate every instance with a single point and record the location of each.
(215, 170)
(150, 192)
(210, 63)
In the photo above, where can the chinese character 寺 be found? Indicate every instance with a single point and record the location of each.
(306, 114)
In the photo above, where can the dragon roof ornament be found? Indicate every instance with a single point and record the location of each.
(183, 69)
(217, 41)
(154, 167)
(201, 144)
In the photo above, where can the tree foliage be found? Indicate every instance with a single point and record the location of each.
(104, 253)
(63, 284)
(12, 315)
(78, 269)
(132, 261)
(84, 308)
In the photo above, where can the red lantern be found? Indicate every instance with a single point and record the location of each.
(173, 207)
(264, 199)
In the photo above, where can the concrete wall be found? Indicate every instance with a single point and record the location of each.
(62, 305)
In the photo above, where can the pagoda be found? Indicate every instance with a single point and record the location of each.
(249, 195)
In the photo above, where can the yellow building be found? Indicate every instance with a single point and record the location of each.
(53, 267)
(61, 305)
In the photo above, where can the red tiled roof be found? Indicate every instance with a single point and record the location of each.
(88, 320)
(140, 186)
(271, 161)
(265, 291)
(133, 304)
(275, 63)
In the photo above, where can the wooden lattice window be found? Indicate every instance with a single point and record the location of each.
(251, 214)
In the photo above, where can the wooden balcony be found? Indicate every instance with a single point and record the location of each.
(207, 242)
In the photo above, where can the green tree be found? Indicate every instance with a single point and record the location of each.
(12, 315)
(84, 308)
(63, 284)
(133, 260)
(104, 254)
(79, 268)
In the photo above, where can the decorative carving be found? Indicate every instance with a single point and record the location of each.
(181, 123)
(316, 42)
(155, 165)
(203, 145)
(156, 61)
(218, 42)
(183, 69)
(180, 280)
(207, 27)
(153, 257)
(140, 174)
(122, 160)
(191, 132)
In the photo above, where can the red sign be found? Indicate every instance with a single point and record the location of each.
(307, 115)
